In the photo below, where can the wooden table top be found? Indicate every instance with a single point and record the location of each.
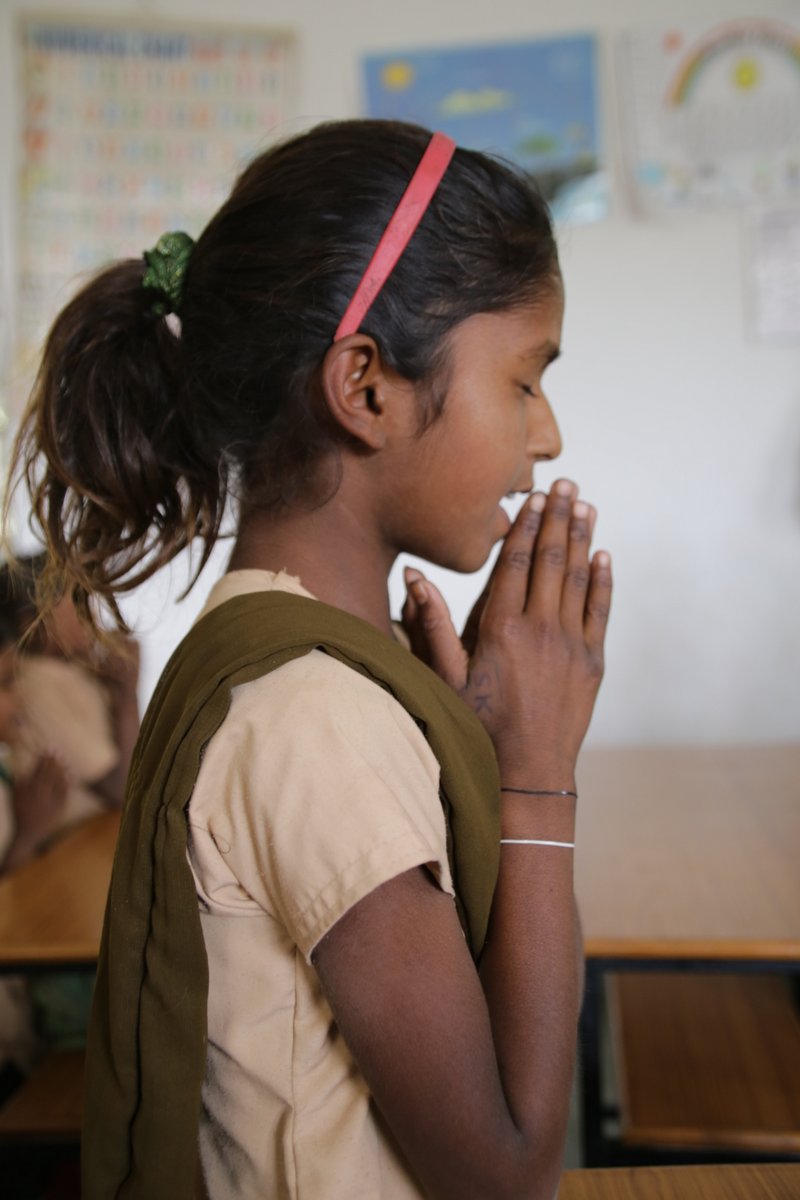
(51, 909)
(750, 1182)
(690, 852)
(682, 852)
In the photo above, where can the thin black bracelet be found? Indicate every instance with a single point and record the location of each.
(538, 792)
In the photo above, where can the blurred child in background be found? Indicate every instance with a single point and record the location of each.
(76, 701)
(68, 721)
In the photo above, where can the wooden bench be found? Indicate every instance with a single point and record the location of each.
(707, 1061)
(48, 1106)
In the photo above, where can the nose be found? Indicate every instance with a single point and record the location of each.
(544, 437)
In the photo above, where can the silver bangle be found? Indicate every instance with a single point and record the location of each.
(535, 842)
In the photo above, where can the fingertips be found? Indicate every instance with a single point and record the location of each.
(581, 527)
(424, 601)
(580, 524)
(528, 520)
(515, 553)
(526, 525)
(577, 573)
(559, 506)
(563, 495)
(601, 565)
(510, 577)
(598, 599)
(416, 593)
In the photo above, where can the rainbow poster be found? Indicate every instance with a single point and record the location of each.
(129, 130)
(532, 102)
(712, 113)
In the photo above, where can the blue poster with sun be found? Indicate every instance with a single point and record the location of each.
(713, 113)
(532, 102)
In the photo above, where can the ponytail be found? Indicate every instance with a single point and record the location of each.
(118, 485)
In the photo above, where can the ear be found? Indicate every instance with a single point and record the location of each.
(360, 393)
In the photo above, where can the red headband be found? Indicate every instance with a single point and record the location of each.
(397, 234)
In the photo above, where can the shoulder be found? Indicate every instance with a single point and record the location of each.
(318, 701)
(317, 788)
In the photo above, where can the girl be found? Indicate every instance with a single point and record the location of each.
(340, 958)
(77, 699)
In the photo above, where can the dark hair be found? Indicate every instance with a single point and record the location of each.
(18, 587)
(144, 433)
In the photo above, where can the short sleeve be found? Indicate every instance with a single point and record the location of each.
(317, 788)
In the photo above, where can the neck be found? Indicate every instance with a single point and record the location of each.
(332, 550)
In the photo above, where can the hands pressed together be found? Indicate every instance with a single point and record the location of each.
(472, 1068)
(530, 660)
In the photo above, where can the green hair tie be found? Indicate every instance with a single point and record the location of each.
(166, 270)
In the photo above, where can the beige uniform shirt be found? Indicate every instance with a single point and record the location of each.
(63, 707)
(317, 788)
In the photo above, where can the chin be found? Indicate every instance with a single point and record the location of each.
(467, 559)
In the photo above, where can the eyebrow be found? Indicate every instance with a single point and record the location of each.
(548, 350)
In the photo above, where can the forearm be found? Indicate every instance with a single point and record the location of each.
(530, 972)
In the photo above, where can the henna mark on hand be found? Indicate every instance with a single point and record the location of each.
(483, 700)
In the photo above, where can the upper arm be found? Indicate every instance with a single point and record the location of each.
(321, 788)
(407, 998)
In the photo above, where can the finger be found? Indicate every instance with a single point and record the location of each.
(508, 587)
(550, 551)
(409, 609)
(577, 573)
(598, 602)
(432, 634)
(410, 613)
(471, 631)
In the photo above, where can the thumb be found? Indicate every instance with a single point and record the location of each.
(426, 619)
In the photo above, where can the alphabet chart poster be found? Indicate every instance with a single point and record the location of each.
(127, 132)
(713, 113)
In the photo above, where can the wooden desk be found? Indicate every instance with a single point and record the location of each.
(684, 1183)
(51, 915)
(689, 852)
(687, 857)
(51, 910)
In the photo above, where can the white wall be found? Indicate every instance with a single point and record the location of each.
(684, 431)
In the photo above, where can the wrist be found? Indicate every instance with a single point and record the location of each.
(536, 772)
(538, 780)
(537, 817)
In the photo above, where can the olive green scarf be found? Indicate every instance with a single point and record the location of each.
(147, 1040)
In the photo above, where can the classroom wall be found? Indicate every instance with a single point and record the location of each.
(676, 422)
